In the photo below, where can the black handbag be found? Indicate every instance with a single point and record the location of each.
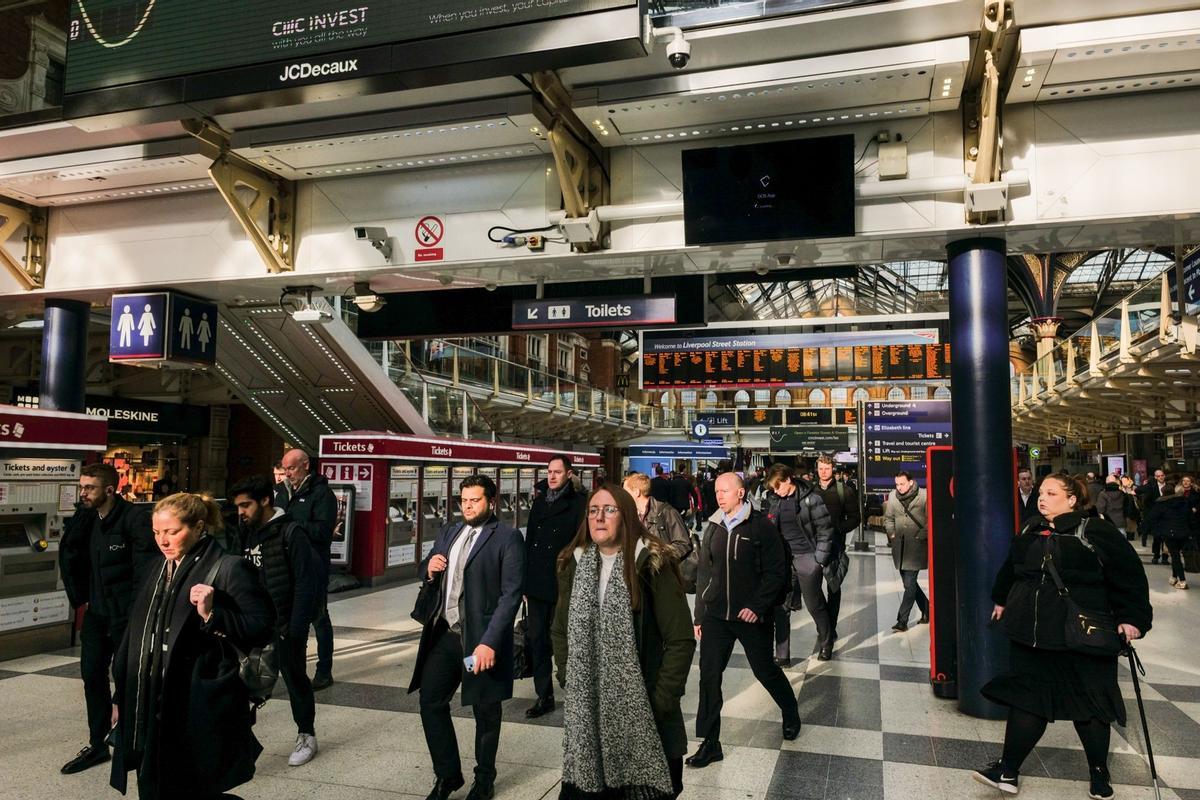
(258, 668)
(522, 649)
(1092, 633)
(428, 599)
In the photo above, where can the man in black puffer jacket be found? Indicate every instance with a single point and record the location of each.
(291, 574)
(307, 499)
(803, 519)
(106, 552)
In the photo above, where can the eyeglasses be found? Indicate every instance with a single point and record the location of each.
(607, 511)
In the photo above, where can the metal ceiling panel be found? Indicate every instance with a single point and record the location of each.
(1114, 56)
(813, 91)
(509, 127)
(109, 173)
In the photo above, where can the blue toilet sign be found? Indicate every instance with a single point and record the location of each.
(162, 326)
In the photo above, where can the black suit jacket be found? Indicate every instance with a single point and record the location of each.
(1029, 508)
(492, 582)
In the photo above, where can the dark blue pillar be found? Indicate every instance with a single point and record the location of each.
(983, 481)
(64, 355)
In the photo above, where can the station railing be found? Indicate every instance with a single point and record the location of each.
(453, 385)
(1150, 312)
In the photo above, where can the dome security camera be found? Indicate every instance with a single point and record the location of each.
(679, 51)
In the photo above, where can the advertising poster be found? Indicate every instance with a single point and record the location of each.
(343, 529)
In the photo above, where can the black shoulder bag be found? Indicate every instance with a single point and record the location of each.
(259, 668)
(1092, 633)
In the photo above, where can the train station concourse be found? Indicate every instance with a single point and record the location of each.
(593, 399)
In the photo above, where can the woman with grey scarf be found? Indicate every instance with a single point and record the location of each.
(621, 612)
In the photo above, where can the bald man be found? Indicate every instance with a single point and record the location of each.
(308, 501)
(743, 576)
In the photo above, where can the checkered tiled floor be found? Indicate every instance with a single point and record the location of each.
(872, 727)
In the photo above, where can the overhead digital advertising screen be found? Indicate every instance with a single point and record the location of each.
(695, 360)
(121, 42)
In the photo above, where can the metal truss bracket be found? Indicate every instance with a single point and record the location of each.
(268, 214)
(581, 176)
(30, 269)
(983, 100)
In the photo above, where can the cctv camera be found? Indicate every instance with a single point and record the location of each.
(679, 51)
(364, 234)
(762, 269)
(370, 303)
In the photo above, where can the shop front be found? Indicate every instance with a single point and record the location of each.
(149, 442)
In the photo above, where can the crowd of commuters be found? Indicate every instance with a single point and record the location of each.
(176, 598)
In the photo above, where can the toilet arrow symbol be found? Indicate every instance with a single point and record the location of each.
(531, 313)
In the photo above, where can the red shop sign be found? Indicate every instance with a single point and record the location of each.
(35, 429)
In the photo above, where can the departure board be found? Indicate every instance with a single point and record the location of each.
(751, 368)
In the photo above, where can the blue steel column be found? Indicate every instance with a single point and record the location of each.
(981, 409)
(64, 355)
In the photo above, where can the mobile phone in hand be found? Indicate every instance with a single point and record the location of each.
(469, 663)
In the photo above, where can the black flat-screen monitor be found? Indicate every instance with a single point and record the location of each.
(797, 189)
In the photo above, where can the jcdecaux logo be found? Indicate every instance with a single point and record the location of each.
(306, 69)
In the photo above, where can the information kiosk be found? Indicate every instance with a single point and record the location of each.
(41, 453)
(419, 478)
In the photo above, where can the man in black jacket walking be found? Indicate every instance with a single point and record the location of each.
(801, 517)
(106, 551)
(742, 576)
(307, 499)
(291, 574)
(553, 520)
(1150, 493)
(842, 501)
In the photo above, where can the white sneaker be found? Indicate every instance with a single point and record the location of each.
(1173, 580)
(306, 750)
(1181, 585)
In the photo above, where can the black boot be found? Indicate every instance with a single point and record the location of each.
(709, 752)
(1101, 788)
(444, 787)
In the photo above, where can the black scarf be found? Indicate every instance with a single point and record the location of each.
(152, 647)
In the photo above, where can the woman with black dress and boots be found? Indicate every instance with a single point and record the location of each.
(1100, 572)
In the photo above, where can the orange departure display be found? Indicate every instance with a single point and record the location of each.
(777, 368)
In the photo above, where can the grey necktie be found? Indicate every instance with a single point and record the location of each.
(455, 598)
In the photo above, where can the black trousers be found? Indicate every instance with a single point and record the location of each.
(717, 638)
(541, 615)
(440, 679)
(98, 643)
(912, 592)
(324, 631)
(811, 578)
(1156, 546)
(1175, 548)
(293, 655)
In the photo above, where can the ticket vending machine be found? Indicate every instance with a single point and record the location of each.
(458, 475)
(419, 477)
(433, 506)
(402, 518)
(506, 497)
(41, 453)
(528, 478)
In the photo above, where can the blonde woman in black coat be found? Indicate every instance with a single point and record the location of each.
(183, 715)
(1046, 680)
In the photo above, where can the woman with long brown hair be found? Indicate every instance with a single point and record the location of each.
(621, 611)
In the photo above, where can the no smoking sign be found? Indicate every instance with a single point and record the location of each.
(429, 233)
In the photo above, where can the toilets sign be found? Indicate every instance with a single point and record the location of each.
(160, 327)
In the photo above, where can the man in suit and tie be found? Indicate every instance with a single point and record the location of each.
(478, 567)
(1026, 496)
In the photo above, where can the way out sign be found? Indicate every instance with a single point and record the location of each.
(159, 327)
(429, 233)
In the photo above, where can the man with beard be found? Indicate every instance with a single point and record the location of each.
(291, 574)
(474, 572)
(106, 550)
